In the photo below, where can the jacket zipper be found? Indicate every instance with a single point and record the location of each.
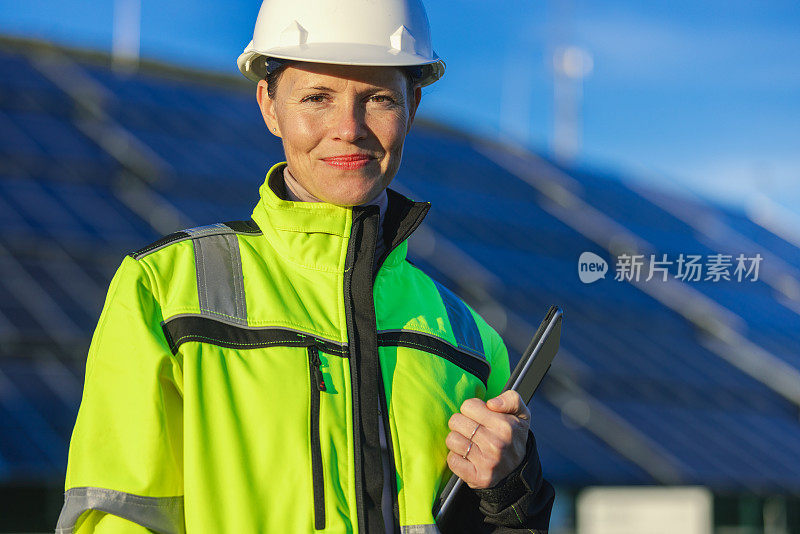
(354, 382)
(364, 364)
(317, 385)
(363, 344)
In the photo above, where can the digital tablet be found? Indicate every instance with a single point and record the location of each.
(525, 380)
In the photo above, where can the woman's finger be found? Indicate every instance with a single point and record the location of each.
(462, 424)
(509, 402)
(463, 469)
(461, 445)
(497, 422)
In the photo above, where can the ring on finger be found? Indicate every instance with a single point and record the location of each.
(473, 432)
(469, 448)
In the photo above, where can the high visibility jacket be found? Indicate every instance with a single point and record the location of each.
(238, 370)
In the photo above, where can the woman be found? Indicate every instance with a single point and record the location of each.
(293, 372)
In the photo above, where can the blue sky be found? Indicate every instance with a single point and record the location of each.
(696, 94)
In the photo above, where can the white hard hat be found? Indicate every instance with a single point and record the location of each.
(344, 32)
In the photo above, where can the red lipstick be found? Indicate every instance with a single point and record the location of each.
(348, 161)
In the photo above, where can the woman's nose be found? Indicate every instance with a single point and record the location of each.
(349, 123)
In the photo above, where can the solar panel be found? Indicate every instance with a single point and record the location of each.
(64, 227)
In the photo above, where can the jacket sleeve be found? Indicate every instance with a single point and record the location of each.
(124, 472)
(522, 501)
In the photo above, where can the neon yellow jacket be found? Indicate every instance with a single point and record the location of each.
(234, 378)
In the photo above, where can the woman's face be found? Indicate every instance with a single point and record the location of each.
(342, 127)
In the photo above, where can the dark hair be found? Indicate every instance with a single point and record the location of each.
(274, 67)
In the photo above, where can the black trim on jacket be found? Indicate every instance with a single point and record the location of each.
(364, 367)
(184, 328)
(428, 343)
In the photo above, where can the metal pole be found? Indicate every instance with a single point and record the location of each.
(126, 35)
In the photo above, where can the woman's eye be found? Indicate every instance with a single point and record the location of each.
(382, 99)
(314, 98)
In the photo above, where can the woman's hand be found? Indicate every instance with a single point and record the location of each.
(487, 439)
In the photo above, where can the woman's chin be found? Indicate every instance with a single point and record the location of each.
(353, 192)
(350, 199)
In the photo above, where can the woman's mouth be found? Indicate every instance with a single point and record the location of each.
(348, 161)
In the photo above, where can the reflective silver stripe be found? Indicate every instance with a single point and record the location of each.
(237, 227)
(209, 229)
(419, 529)
(163, 515)
(461, 320)
(220, 283)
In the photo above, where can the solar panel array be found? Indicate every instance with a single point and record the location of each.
(94, 164)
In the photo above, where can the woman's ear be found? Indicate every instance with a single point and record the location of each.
(267, 107)
(414, 104)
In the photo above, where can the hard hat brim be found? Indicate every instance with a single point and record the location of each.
(252, 62)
